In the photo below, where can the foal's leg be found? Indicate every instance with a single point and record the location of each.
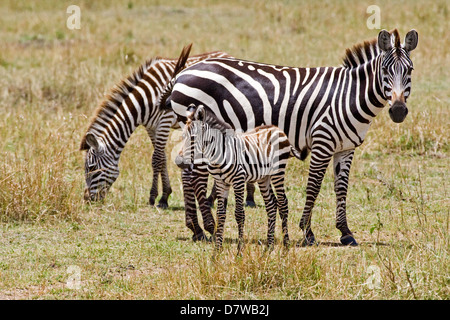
(190, 206)
(222, 196)
(282, 201)
(200, 183)
(271, 208)
(249, 201)
(239, 213)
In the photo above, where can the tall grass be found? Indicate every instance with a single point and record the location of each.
(36, 181)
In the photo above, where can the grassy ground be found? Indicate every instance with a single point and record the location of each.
(54, 246)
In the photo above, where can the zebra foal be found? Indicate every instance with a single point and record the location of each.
(234, 159)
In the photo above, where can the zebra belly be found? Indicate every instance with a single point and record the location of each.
(230, 175)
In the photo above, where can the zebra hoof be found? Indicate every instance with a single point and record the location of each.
(348, 240)
(151, 202)
(250, 204)
(199, 237)
(163, 205)
(309, 241)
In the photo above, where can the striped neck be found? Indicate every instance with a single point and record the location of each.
(107, 113)
(369, 75)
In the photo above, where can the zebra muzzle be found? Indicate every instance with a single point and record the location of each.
(97, 196)
(398, 112)
(182, 163)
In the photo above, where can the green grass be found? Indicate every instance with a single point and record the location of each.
(53, 78)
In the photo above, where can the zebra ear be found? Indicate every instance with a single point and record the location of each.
(384, 40)
(411, 40)
(200, 113)
(92, 141)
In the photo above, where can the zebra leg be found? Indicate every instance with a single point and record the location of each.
(271, 208)
(159, 160)
(239, 213)
(190, 206)
(250, 201)
(155, 167)
(212, 196)
(341, 163)
(200, 182)
(318, 166)
(166, 188)
(222, 191)
(282, 202)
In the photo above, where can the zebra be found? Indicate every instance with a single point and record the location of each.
(325, 111)
(131, 103)
(233, 159)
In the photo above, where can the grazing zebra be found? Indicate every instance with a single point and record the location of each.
(131, 103)
(325, 110)
(233, 159)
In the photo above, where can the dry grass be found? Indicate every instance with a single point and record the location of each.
(52, 79)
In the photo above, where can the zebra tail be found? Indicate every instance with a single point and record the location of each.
(163, 103)
(302, 154)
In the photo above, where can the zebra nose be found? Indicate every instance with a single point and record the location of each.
(398, 112)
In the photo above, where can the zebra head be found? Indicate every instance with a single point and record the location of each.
(396, 68)
(192, 135)
(202, 135)
(101, 169)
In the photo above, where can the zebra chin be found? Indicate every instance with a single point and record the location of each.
(398, 111)
(182, 164)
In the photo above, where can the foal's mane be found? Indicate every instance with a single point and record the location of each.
(215, 123)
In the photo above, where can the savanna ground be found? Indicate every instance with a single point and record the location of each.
(55, 246)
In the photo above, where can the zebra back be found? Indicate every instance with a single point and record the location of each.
(155, 72)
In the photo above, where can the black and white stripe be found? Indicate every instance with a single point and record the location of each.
(233, 159)
(133, 102)
(326, 111)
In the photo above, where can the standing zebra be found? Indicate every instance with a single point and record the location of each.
(326, 110)
(233, 159)
(131, 103)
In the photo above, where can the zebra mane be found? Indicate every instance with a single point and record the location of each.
(366, 51)
(114, 99)
(209, 118)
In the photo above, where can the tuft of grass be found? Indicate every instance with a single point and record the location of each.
(35, 181)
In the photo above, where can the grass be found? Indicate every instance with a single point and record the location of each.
(52, 79)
